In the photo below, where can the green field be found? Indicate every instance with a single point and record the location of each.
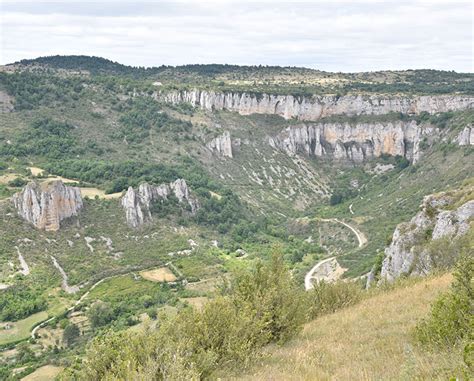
(21, 329)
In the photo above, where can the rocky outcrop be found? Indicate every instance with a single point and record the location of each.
(315, 107)
(46, 205)
(355, 142)
(408, 254)
(465, 137)
(222, 145)
(137, 203)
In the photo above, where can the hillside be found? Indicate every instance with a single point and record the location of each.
(130, 192)
(369, 341)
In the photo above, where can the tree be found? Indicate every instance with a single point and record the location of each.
(100, 314)
(70, 334)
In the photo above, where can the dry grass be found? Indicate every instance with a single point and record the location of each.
(197, 301)
(45, 373)
(35, 171)
(92, 192)
(5, 179)
(369, 341)
(163, 274)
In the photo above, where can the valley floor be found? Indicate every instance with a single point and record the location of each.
(369, 341)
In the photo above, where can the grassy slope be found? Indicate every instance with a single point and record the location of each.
(369, 341)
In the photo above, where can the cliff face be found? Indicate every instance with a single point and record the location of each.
(465, 137)
(408, 253)
(316, 107)
(221, 144)
(137, 202)
(45, 206)
(354, 142)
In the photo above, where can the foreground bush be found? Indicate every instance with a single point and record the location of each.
(326, 298)
(259, 307)
(451, 320)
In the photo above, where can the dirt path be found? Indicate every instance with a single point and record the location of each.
(360, 236)
(86, 294)
(329, 269)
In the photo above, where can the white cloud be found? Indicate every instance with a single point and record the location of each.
(336, 36)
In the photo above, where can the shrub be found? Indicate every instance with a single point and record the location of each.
(260, 306)
(451, 318)
(17, 182)
(70, 334)
(329, 297)
(100, 314)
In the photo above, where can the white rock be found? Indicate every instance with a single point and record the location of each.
(315, 107)
(45, 206)
(137, 203)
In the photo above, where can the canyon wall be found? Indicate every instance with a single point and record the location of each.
(315, 107)
(355, 142)
(409, 252)
(46, 205)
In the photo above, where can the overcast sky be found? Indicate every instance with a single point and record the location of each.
(333, 36)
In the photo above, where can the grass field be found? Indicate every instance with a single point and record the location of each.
(369, 341)
(21, 329)
(163, 274)
(45, 373)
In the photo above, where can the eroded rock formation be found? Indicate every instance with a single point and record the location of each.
(221, 144)
(465, 137)
(137, 202)
(46, 205)
(355, 142)
(408, 253)
(315, 107)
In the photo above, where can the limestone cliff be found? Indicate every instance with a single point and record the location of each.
(315, 107)
(355, 142)
(465, 137)
(222, 145)
(137, 202)
(410, 252)
(46, 205)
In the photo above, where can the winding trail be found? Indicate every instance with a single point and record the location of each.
(79, 301)
(311, 275)
(328, 268)
(86, 294)
(360, 236)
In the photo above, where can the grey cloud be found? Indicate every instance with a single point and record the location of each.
(335, 36)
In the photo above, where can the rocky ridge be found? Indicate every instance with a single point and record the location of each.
(355, 142)
(408, 253)
(315, 107)
(46, 205)
(137, 202)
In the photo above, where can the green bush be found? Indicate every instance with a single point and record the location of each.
(326, 298)
(258, 307)
(70, 334)
(451, 319)
(17, 182)
(20, 301)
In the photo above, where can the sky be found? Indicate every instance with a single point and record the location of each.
(345, 36)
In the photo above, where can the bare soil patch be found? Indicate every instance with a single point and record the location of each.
(92, 192)
(45, 373)
(163, 274)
